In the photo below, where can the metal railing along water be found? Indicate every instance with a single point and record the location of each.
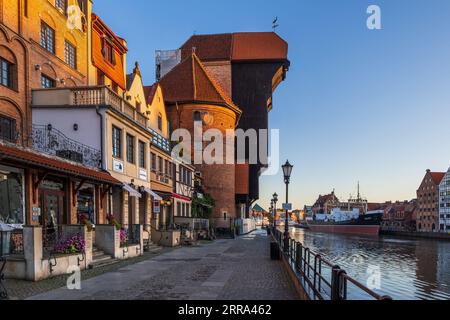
(321, 279)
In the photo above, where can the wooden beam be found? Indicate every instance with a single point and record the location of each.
(75, 190)
(36, 182)
(105, 191)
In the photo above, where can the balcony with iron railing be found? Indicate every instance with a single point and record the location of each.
(87, 96)
(51, 141)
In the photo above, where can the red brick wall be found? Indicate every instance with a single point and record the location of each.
(428, 205)
(218, 180)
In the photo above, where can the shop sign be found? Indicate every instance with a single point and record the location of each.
(118, 166)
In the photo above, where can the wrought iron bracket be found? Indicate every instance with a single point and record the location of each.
(37, 179)
(75, 191)
(83, 254)
(51, 265)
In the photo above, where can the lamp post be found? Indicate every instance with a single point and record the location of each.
(275, 200)
(271, 210)
(287, 170)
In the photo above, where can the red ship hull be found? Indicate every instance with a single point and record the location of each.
(371, 230)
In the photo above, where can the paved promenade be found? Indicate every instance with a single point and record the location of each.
(238, 269)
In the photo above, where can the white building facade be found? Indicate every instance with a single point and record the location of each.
(444, 204)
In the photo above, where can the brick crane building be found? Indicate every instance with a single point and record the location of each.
(247, 67)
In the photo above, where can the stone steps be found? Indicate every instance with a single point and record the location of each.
(100, 259)
(149, 246)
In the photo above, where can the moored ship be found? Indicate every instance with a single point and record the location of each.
(351, 217)
(348, 222)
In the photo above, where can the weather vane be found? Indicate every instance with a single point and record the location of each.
(275, 24)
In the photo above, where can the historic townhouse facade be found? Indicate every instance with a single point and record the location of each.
(53, 187)
(102, 119)
(444, 203)
(428, 202)
(161, 164)
(400, 217)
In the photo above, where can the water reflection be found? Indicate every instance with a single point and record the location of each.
(410, 269)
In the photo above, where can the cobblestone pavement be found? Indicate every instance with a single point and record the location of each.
(238, 269)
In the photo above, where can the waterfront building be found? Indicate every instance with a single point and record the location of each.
(428, 202)
(53, 186)
(192, 96)
(444, 203)
(400, 217)
(247, 67)
(325, 203)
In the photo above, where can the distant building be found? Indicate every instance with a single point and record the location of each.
(444, 203)
(325, 204)
(400, 216)
(428, 202)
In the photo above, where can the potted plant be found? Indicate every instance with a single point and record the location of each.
(84, 220)
(72, 245)
(112, 221)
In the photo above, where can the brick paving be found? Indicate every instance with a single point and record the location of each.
(238, 269)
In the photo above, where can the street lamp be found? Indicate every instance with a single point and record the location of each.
(287, 170)
(275, 200)
(270, 210)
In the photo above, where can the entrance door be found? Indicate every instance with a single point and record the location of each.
(52, 204)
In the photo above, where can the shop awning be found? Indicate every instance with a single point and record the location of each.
(153, 194)
(133, 192)
(29, 157)
(177, 196)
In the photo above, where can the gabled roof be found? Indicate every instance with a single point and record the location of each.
(437, 177)
(323, 199)
(189, 81)
(132, 76)
(150, 92)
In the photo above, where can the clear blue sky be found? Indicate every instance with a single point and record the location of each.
(358, 105)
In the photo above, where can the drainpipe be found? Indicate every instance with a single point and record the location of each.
(102, 138)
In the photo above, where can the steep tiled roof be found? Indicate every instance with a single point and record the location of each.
(150, 92)
(190, 81)
(437, 177)
(323, 199)
(209, 47)
(130, 79)
(30, 157)
(237, 46)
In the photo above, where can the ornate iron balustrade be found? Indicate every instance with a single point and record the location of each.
(53, 142)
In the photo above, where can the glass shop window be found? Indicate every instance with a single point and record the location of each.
(86, 204)
(11, 197)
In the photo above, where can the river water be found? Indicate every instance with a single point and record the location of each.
(408, 269)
